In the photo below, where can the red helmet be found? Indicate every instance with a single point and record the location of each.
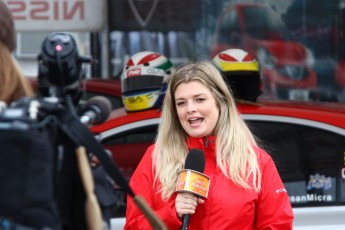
(241, 71)
(144, 80)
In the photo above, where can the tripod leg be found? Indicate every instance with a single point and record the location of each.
(92, 209)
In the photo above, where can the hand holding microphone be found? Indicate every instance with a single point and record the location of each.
(186, 203)
(192, 186)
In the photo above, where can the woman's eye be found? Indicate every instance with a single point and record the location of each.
(200, 99)
(180, 103)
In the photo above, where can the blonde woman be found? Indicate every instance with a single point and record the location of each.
(246, 191)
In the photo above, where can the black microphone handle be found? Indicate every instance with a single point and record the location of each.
(195, 160)
(185, 222)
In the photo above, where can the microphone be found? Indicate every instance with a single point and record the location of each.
(191, 179)
(96, 110)
(195, 160)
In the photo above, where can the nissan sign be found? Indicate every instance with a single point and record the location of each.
(55, 15)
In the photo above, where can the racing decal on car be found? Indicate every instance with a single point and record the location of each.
(311, 198)
(316, 190)
(318, 181)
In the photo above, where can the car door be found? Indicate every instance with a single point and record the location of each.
(310, 159)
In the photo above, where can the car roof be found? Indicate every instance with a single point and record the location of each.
(110, 87)
(328, 113)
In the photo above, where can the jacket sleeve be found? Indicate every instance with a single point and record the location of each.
(273, 208)
(142, 185)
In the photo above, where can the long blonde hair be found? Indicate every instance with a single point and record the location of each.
(13, 85)
(236, 150)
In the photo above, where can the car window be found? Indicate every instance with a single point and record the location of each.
(308, 159)
(127, 149)
(262, 23)
(229, 26)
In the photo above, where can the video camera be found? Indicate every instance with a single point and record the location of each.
(60, 69)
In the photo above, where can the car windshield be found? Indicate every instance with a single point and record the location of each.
(261, 23)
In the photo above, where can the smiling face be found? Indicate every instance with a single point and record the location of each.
(196, 108)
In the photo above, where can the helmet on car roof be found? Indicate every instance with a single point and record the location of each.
(241, 72)
(144, 80)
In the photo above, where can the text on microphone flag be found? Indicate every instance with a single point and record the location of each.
(193, 182)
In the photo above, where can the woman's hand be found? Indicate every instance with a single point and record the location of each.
(186, 203)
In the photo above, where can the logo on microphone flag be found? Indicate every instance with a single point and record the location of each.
(194, 182)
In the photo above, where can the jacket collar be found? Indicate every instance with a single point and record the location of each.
(203, 143)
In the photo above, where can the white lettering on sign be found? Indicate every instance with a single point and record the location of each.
(311, 198)
(53, 15)
(45, 10)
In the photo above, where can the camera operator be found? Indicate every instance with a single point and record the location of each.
(41, 185)
(13, 84)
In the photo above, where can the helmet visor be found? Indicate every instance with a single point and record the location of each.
(141, 79)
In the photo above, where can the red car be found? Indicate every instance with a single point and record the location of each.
(286, 65)
(110, 88)
(307, 142)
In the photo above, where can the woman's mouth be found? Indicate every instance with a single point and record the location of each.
(195, 120)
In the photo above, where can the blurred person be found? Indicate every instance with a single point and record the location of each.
(22, 204)
(13, 83)
(62, 208)
(246, 191)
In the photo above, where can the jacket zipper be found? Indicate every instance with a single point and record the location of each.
(205, 142)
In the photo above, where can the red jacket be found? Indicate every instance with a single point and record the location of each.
(227, 207)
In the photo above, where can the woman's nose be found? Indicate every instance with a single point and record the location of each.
(191, 107)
